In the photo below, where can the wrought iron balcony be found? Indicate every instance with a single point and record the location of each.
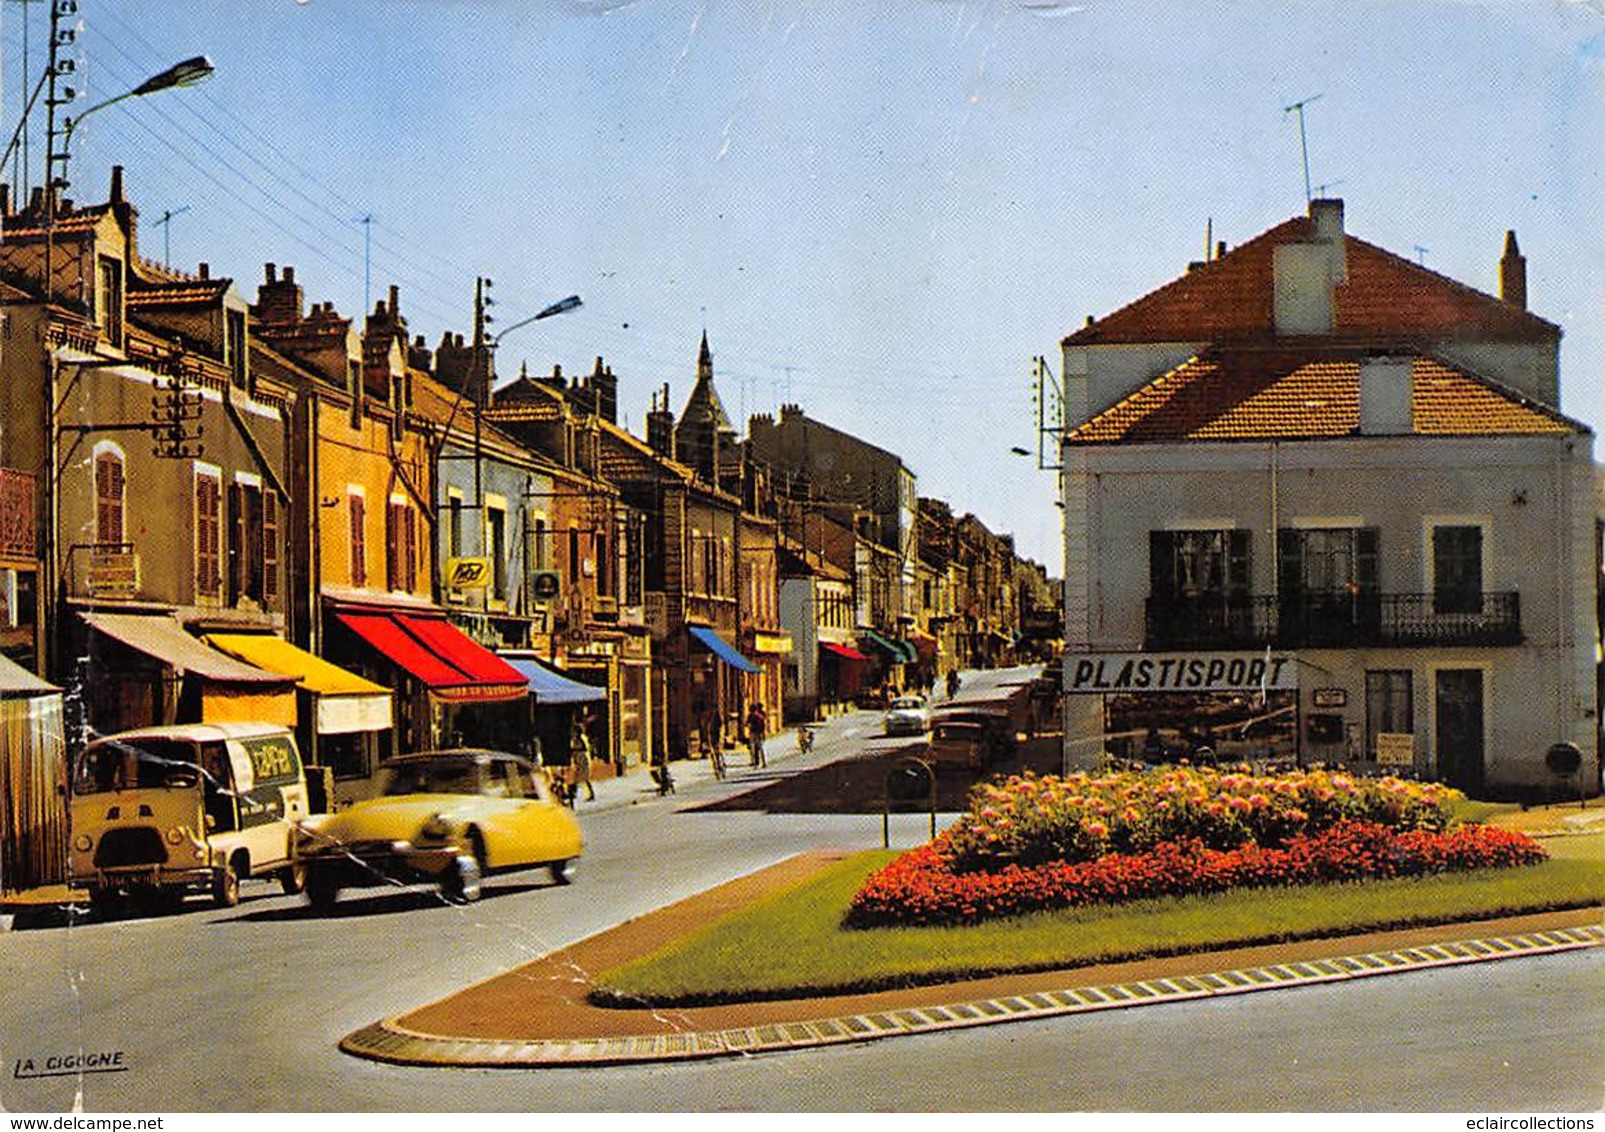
(17, 521)
(1333, 621)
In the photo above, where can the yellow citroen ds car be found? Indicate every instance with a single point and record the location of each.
(446, 817)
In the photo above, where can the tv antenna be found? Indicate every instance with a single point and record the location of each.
(165, 222)
(1303, 144)
(1421, 254)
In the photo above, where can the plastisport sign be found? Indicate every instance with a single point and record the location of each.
(1122, 672)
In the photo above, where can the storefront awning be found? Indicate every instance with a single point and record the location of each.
(231, 689)
(16, 682)
(723, 649)
(548, 687)
(346, 702)
(438, 655)
(899, 652)
(843, 651)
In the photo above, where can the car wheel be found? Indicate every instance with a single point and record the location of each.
(226, 886)
(105, 903)
(460, 885)
(322, 888)
(562, 871)
(293, 878)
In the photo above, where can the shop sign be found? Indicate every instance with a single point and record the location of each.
(468, 573)
(1395, 748)
(1098, 673)
(1330, 697)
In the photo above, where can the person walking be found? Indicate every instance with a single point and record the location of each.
(755, 730)
(579, 746)
(952, 683)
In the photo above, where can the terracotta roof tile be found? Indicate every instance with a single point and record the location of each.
(1263, 395)
(1384, 295)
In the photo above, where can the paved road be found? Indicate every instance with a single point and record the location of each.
(241, 1009)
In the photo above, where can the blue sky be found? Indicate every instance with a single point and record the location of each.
(879, 211)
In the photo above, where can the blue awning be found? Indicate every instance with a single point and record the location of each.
(723, 649)
(548, 687)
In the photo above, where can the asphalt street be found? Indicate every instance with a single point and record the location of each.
(241, 1009)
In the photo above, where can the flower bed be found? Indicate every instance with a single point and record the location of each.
(1033, 844)
(1027, 820)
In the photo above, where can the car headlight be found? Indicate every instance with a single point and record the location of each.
(436, 828)
(82, 843)
(175, 835)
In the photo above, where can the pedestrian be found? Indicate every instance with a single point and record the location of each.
(952, 683)
(755, 730)
(580, 761)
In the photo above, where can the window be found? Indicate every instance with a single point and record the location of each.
(356, 507)
(247, 554)
(109, 299)
(604, 566)
(1327, 561)
(543, 553)
(1194, 564)
(109, 497)
(496, 547)
(1457, 569)
(573, 556)
(401, 547)
(1389, 707)
(208, 534)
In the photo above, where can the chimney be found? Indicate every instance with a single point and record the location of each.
(1306, 273)
(278, 300)
(205, 270)
(1513, 273)
(1386, 386)
(660, 426)
(116, 195)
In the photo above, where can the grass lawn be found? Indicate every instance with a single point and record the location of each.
(792, 944)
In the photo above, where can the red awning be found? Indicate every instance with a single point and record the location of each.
(843, 651)
(439, 655)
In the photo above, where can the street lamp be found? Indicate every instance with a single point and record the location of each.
(184, 74)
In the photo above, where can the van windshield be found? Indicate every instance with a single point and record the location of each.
(140, 764)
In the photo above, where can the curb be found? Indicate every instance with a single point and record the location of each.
(388, 1041)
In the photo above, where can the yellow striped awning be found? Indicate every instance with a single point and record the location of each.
(310, 672)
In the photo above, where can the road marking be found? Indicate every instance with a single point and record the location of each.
(388, 1041)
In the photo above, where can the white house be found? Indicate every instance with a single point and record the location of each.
(1321, 503)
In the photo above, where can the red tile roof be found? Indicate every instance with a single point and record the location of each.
(1384, 295)
(1265, 395)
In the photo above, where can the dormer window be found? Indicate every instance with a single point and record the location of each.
(109, 299)
(235, 351)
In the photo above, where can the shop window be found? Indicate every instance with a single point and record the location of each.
(1389, 705)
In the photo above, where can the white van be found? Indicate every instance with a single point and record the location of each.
(163, 811)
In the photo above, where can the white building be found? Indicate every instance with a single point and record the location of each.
(1321, 503)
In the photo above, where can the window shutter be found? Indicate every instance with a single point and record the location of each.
(1289, 563)
(109, 498)
(1366, 541)
(359, 545)
(1162, 563)
(392, 548)
(1239, 578)
(236, 546)
(270, 545)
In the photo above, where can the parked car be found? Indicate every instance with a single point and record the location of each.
(446, 817)
(906, 716)
(970, 737)
(160, 812)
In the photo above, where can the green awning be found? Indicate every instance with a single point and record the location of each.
(900, 652)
